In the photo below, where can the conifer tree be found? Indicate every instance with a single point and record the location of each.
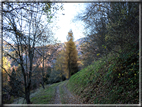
(71, 65)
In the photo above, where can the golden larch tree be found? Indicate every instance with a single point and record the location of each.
(71, 55)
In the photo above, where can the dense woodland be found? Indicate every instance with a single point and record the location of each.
(110, 55)
(102, 67)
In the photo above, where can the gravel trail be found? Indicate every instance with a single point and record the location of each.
(71, 99)
(57, 96)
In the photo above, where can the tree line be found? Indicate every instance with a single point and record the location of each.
(111, 27)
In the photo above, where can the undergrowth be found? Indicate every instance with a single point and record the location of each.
(111, 80)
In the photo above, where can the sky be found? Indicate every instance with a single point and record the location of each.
(65, 22)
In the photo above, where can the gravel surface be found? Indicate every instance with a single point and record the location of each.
(57, 96)
(71, 99)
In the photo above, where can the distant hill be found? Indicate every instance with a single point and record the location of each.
(47, 49)
(78, 44)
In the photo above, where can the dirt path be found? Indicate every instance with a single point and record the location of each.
(57, 96)
(70, 99)
(65, 98)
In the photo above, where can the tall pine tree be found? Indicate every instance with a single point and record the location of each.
(71, 54)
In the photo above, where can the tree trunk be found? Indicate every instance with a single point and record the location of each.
(42, 83)
(27, 94)
(43, 72)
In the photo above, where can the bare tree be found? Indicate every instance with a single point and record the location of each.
(22, 29)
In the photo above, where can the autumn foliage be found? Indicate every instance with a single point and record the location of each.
(71, 65)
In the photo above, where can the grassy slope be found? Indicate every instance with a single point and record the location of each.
(45, 96)
(111, 81)
(42, 96)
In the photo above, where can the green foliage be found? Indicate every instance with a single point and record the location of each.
(50, 8)
(115, 29)
(47, 10)
(8, 101)
(59, 64)
(47, 75)
(121, 30)
(55, 77)
(109, 81)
